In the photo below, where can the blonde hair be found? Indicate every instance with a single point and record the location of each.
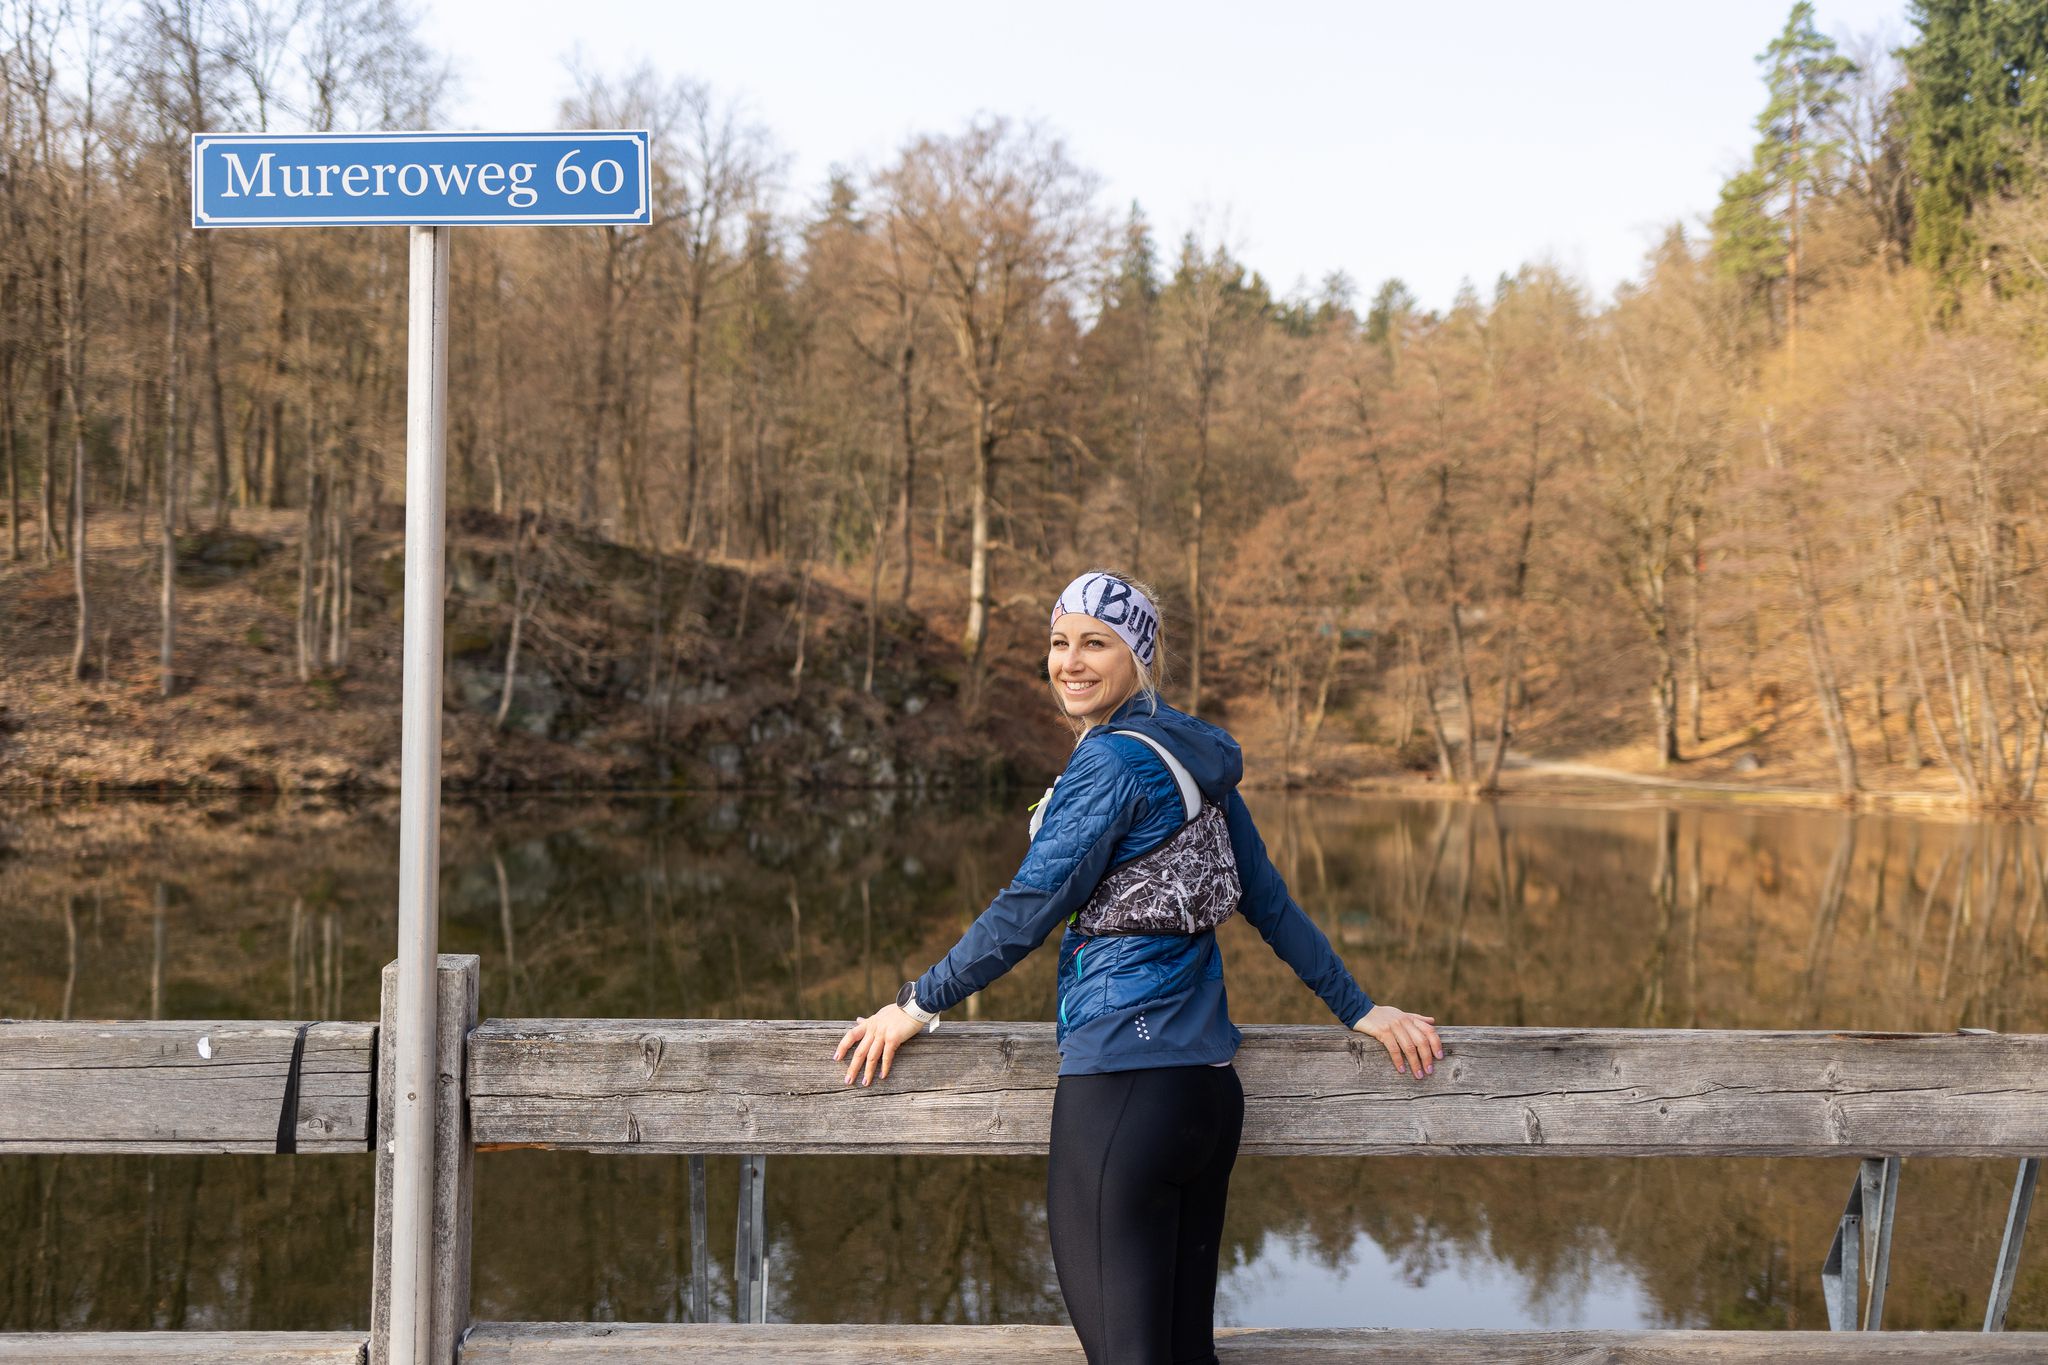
(1151, 677)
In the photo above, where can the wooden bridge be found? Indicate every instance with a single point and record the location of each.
(758, 1089)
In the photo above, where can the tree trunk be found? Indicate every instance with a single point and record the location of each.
(1696, 657)
(218, 403)
(726, 461)
(503, 423)
(600, 399)
(1884, 733)
(167, 636)
(1446, 760)
(1905, 630)
(50, 540)
(1455, 631)
(975, 641)
(131, 443)
(1140, 449)
(880, 525)
(1664, 695)
(273, 450)
(1323, 686)
(1518, 592)
(803, 626)
(1792, 269)
(341, 571)
(74, 385)
(1823, 664)
(13, 453)
(1511, 664)
(906, 404)
(1819, 656)
(692, 350)
(84, 636)
(312, 557)
(518, 622)
(251, 447)
(1454, 623)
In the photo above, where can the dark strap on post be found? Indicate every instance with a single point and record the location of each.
(288, 1116)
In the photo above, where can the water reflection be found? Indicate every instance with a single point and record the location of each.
(1522, 914)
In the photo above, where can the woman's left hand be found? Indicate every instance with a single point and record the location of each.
(874, 1041)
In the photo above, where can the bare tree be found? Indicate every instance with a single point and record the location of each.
(721, 161)
(1207, 315)
(1653, 460)
(1005, 222)
(78, 210)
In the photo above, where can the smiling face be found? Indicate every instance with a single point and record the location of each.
(1092, 671)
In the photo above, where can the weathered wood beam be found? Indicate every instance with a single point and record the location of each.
(454, 1162)
(772, 1087)
(182, 1348)
(556, 1343)
(156, 1086)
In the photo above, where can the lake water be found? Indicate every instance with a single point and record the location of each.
(1521, 914)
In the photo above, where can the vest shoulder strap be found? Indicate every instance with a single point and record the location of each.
(1190, 794)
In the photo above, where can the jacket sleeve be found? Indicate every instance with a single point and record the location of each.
(1097, 800)
(1285, 926)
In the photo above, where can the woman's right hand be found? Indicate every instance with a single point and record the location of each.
(874, 1041)
(1405, 1036)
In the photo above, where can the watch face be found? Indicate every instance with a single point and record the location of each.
(907, 994)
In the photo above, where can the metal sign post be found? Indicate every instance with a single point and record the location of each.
(419, 800)
(428, 182)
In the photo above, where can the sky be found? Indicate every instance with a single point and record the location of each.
(1433, 142)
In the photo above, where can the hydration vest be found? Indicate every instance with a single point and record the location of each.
(1187, 885)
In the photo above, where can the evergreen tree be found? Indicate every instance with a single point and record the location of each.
(1136, 282)
(1757, 223)
(1391, 302)
(1975, 108)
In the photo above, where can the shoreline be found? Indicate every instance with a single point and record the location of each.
(1648, 789)
(1577, 788)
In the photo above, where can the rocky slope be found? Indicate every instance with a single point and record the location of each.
(632, 672)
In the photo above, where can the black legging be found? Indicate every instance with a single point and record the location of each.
(1139, 1170)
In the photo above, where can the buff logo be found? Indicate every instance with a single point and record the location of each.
(1117, 605)
(1113, 604)
(1144, 628)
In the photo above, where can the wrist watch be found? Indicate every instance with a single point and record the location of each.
(906, 1000)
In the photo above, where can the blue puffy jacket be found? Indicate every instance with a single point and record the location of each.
(1137, 1000)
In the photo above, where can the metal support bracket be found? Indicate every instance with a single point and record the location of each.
(2009, 1249)
(1859, 1260)
(750, 1246)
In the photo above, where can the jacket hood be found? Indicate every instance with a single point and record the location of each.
(1208, 752)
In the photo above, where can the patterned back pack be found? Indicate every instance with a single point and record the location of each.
(1187, 885)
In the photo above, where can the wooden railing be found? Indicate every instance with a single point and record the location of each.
(624, 1085)
(200, 1086)
(767, 1088)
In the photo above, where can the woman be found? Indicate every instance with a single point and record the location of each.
(1141, 846)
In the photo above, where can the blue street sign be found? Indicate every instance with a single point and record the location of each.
(334, 179)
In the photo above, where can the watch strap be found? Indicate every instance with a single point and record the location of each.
(906, 1000)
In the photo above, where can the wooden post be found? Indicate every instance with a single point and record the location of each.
(453, 1152)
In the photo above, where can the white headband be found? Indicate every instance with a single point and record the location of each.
(1117, 605)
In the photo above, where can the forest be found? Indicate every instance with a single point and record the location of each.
(1785, 488)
